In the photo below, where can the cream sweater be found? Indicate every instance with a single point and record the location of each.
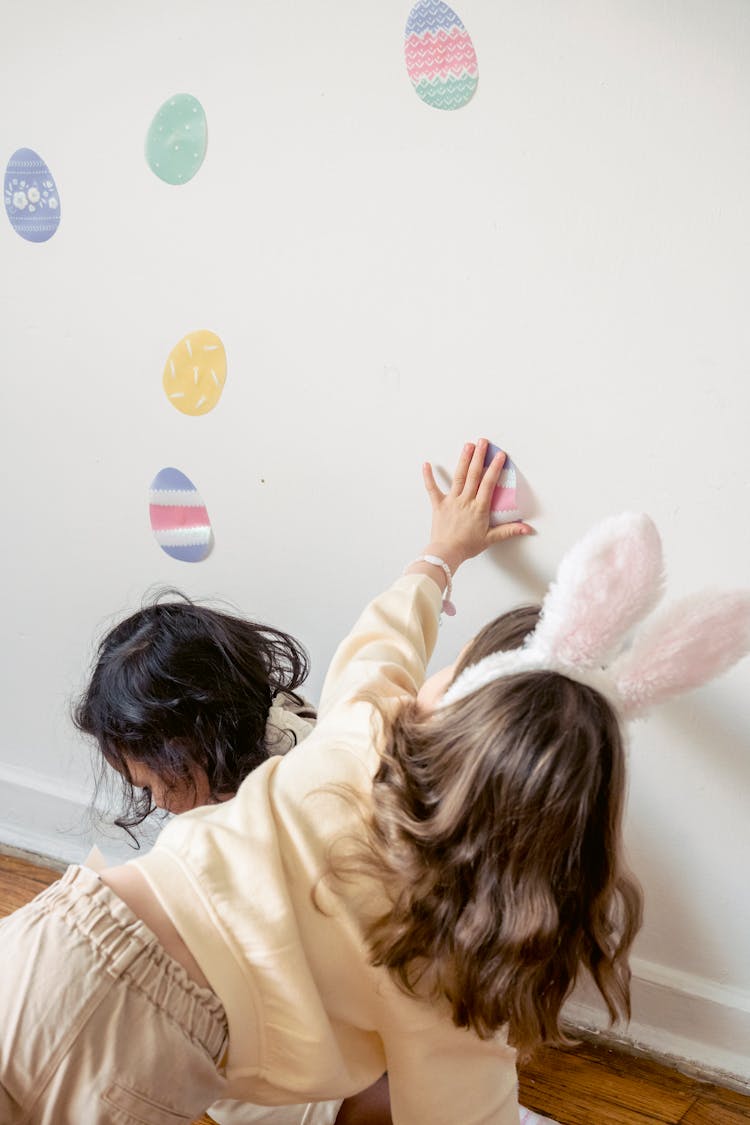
(281, 942)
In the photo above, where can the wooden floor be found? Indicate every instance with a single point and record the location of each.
(589, 1085)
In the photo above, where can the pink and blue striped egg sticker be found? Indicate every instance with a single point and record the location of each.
(179, 519)
(440, 56)
(504, 506)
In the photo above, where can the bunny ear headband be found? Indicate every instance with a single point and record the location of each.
(606, 584)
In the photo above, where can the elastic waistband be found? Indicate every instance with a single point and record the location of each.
(125, 947)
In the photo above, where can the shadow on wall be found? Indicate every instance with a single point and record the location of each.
(668, 844)
(706, 723)
(512, 560)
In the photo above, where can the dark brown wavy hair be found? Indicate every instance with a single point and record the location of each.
(497, 822)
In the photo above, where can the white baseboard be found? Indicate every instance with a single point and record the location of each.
(52, 818)
(693, 1023)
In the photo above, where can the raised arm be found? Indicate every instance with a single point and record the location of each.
(461, 517)
(390, 646)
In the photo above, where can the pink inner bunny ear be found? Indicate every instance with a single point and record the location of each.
(606, 583)
(695, 640)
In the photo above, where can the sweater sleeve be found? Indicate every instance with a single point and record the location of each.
(388, 650)
(460, 1078)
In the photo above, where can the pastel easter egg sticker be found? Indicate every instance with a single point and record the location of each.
(177, 138)
(440, 56)
(505, 503)
(179, 519)
(195, 372)
(32, 201)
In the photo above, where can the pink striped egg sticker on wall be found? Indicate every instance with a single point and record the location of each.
(505, 503)
(179, 518)
(440, 56)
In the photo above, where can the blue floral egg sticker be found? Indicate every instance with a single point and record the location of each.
(179, 519)
(177, 139)
(32, 201)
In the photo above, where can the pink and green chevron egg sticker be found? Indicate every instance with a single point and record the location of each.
(440, 56)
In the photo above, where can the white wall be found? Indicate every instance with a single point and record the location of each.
(562, 266)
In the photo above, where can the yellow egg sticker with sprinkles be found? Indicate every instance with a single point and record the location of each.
(195, 372)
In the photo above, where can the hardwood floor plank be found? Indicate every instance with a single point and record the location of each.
(592, 1111)
(667, 1078)
(635, 1066)
(20, 881)
(559, 1078)
(706, 1111)
(569, 1108)
(726, 1097)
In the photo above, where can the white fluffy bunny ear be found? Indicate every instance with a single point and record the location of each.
(606, 583)
(688, 644)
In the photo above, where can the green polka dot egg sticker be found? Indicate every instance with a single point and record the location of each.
(177, 139)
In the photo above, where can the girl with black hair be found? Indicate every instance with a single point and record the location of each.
(184, 701)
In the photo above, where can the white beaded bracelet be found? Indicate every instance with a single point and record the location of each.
(434, 560)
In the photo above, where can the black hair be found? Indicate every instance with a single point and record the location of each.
(179, 686)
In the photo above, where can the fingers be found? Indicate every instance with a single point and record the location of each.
(491, 478)
(508, 531)
(462, 468)
(433, 491)
(461, 518)
(476, 467)
(473, 487)
(471, 477)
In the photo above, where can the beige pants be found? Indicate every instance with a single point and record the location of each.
(242, 1113)
(98, 1024)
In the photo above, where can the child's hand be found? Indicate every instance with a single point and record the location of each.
(461, 517)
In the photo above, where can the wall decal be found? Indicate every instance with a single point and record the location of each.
(32, 201)
(440, 56)
(505, 506)
(179, 518)
(177, 138)
(195, 372)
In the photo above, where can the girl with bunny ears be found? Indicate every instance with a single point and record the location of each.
(415, 889)
(497, 805)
